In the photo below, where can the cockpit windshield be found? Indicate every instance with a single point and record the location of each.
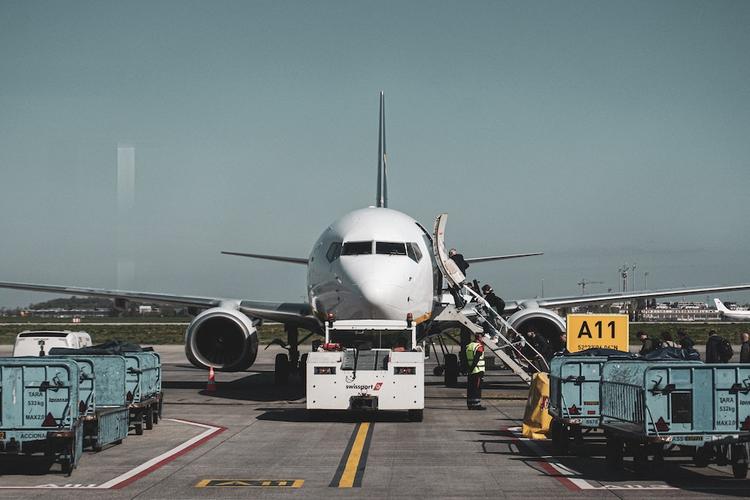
(357, 248)
(388, 248)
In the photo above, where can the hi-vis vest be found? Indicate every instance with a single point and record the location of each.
(471, 350)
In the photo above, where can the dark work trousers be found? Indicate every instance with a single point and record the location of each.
(474, 389)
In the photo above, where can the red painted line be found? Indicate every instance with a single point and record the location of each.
(169, 458)
(543, 463)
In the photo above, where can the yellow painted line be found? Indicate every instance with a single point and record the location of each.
(350, 471)
(234, 483)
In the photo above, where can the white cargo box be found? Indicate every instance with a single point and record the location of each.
(38, 343)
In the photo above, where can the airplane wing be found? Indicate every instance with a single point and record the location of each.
(284, 312)
(279, 258)
(472, 260)
(604, 298)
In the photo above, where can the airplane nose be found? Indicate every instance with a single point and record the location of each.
(383, 299)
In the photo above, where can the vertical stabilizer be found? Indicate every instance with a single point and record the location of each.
(382, 196)
(720, 306)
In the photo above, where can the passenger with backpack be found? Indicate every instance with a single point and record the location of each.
(718, 349)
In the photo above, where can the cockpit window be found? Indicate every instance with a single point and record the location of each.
(333, 251)
(357, 248)
(387, 248)
(413, 251)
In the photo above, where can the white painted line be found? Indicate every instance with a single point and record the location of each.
(141, 470)
(571, 473)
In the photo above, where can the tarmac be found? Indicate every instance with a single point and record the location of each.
(252, 438)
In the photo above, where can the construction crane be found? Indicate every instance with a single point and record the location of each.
(585, 282)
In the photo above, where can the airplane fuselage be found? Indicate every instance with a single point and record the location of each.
(373, 263)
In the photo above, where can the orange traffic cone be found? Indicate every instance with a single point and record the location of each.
(211, 386)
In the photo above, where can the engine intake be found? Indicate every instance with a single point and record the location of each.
(222, 338)
(542, 321)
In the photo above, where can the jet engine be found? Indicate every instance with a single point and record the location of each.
(222, 338)
(542, 321)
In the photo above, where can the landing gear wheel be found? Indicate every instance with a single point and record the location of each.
(614, 452)
(303, 367)
(438, 370)
(416, 415)
(281, 369)
(451, 370)
(739, 461)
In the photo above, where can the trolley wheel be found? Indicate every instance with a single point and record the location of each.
(139, 428)
(614, 452)
(155, 415)
(416, 415)
(451, 370)
(149, 418)
(640, 458)
(438, 370)
(281, 369)
(97, 448)
(702, 456)
(66, 465)
(560, 437)
(739, 461)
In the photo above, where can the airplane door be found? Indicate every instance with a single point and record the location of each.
(450, 270)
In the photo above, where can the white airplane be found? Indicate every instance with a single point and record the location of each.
(372, 263)
(729, 314)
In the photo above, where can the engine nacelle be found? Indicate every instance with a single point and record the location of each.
(542, 321)
(222, 338)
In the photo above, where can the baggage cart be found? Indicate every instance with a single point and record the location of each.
(103, 399)
(574, 394)
(143, 379)
(705, 408)
(40, 410)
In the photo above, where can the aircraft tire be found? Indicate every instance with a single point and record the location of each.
(281, 369)
(451, 370)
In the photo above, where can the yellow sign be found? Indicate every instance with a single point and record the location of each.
(598, 331)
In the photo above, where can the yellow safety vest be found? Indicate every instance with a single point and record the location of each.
(470, 351)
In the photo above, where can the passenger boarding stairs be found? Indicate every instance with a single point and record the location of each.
(477, 316)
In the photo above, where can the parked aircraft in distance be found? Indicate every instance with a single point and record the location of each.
(729, 314)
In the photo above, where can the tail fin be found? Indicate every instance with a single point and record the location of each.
(720, 306)
(382, 196)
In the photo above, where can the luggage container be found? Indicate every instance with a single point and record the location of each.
(702, 407)
(142, 380)
(103, 397)
(574, 394)
(40, 409)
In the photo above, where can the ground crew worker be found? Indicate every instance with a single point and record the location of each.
(475, 369)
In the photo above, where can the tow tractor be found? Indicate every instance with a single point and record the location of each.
(367, 365)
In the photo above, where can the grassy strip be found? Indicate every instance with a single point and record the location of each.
(174, 334)
(140, 334)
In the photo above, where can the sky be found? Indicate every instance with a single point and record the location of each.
(602, 133)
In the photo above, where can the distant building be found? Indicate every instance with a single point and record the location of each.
(680, 311)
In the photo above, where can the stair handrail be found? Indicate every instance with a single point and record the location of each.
(508, 327)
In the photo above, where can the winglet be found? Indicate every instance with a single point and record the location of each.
(382, 196)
